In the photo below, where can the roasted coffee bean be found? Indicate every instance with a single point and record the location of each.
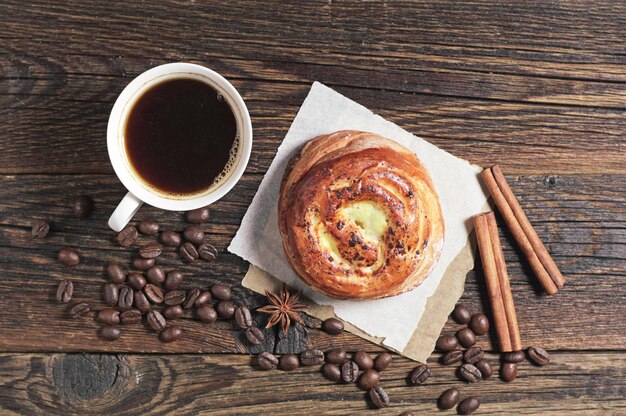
(470, 373)
(349, 372)
(363, 360)
(83, 207)
(466, 337)
(171, 334)
(175, 297)
(452, 357)
(111, 293)
(225, 309)
(267, 361)
(194, 235)
(538, 356)
(288, 362)
(508, 371)
(379, 397)
(473, 355)
(68, 256)
(149, 227)
(170, 238)
(461, 314)
(420, 374)
(150, 251)
(140, 263)
(468, 406)
(156, 275)
(116, 273)
(109, 316)
(448, 399)
(243, 318)
(513, 357)
(192, 295)
(447, 343)
(485, 368)
(369, 379)
(126, 298)
(197, 216)
(131, 316)
(203, 297)
(332, 326)
(332, 372)
(206, 313)
(173, 280)
(207, 252)
(173, 312)
(137, 281)
(479, 324)
(221, 291)
(110, 333)
(141, 302)
(336, 356)
(188, 252)
(312, 357)
(382, 361)
(254, 335)
(127, 236)
(40, 229)
(64, 291)
(79, 310)
(156, 321)
(153, 293)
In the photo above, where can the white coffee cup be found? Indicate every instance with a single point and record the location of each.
(139, 191)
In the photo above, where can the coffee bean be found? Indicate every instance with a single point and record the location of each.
(116, 273)
(447, 343)
(153, 293)
(174, 297)
(538, 356)
(225, 309)
(40, 229)
(155, 275)
(382, 361)
(369, 379)
(470, 373)
(171, 334)
(206, 313)
(170, 238)
(485, 368)
(479, 324)
(254, 335)
(68, 256)
(78, 310)
(131, 316)
(243, 318)
(140, 263)
(267, 361)
(109, 316)
(448, 399)
(468, 406)
(149, 227)
(64, 291)
(221, 291)
(150, 251)
(173, 312)
(379, 397)
(452, 357)
(111, 294)
(127, 298)
(508, 371)
(207, 252)
(110, 333)
(349, 372)
(420, 374)
(192, 295)
(336, 356)
(332, 326)
(173, 280)
(513, 357)
(203, 297)
(188, 252)
(194, 235)
(141, 302)
(83, 207)
(332, 372)
(466, 337)
(473, 355)
(363, 360)
(197, 216)
(156, 321)
(312, 357)
(127, 236)
(288, 362)
(137, 281)
(461, 314)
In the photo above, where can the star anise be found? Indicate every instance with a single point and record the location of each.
(283, 308)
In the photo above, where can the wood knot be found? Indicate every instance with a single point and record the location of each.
(86, 376)
(549, 180)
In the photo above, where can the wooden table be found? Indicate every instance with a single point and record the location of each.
(539, 87)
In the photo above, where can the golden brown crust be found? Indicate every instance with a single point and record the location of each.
(359, 216)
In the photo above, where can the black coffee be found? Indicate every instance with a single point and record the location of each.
(180, 136)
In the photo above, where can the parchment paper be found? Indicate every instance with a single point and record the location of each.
(408, 323)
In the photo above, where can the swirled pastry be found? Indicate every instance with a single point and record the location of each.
(359, 216)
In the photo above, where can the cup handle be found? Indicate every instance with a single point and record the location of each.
(124, 212)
